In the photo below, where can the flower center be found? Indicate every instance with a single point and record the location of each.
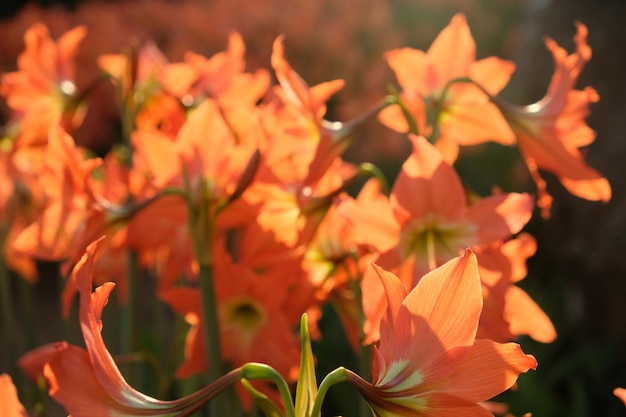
(245, 315)
(435, 240)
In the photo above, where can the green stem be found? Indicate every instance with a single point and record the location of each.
(335, 377)
(129, 314)
(262, 371)
(211, 332)
(365, 360)
(410, 121)
(7, 318)
(27, 296)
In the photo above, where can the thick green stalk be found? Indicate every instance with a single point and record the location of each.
(212, 334)
(27, 296)
(7, 318)
(129, 315)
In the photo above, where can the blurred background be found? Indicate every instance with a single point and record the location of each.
(578, 275)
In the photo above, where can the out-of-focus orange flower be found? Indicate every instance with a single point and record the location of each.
(429, 362)
(334, 263)
(550, 131)
(43, 89)
(54, 234)
(301, 170)
(10, 406)
(221, 78)
(15, 206)
(136, 76)
(621, 394)
(87, 382)
(314, 146)
(508, 311)
(253, 325)
(452, 114)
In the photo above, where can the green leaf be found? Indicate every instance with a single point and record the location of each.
(306, 391)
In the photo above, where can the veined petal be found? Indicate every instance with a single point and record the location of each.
(446, 405)
(488, 369)
(442, 313)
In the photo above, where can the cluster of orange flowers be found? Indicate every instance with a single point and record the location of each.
(234, 194)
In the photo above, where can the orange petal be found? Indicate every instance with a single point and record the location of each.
(409, 66)
(489, 369)
(526, 317)
(621, 394)
(500, 216)
(453, 52)
(427, 184)
(442, 314)
(492, 73)
(10, 405)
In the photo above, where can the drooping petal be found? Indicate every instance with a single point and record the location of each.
(90, 314)
(526, 317)
(488, 369)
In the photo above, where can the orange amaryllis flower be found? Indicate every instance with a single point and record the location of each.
(452, 114)
(316, 143)
(64, 177)
(509, 311)
(428, 362)
(10, 405)
(550, 131)
(88, 383)
(253, 325)
(43, 89)
(427, 220)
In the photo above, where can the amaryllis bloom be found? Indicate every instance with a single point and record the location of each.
(88, 382)
(253, 324)
(452, 114)
(43, 89)
(550, 131)
(428, 221)
(64, 178)
(10, 406)
(428, 362)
